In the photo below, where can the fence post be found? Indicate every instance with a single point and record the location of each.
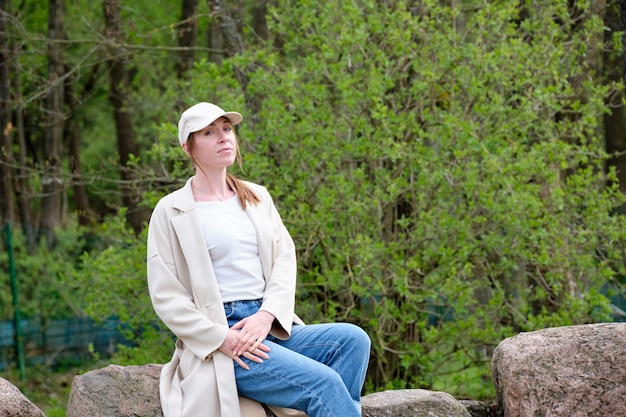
(19, 341)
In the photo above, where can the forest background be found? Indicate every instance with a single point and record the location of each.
(453, 172)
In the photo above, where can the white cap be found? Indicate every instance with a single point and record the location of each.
(199, 116)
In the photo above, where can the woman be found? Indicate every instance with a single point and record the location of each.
(222, 277)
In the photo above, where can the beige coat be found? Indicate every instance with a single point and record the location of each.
(200, 380)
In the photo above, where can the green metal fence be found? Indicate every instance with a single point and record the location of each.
(55, 343)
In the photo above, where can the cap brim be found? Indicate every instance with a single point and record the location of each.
(234, 117)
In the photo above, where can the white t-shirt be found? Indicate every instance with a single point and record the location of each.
(232, 243)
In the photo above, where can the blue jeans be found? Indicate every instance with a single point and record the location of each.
(320, 369)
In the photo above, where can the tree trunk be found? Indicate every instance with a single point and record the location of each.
(615, 121)
(22, 187)
(6, 149)
(259, 21)
(215, 38)
(16, 190)
(187, 35)
(52, 180)
(233, 44)
(81, 201)
(119, 91)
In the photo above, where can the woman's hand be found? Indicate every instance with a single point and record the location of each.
(256, 354)
(252, 331)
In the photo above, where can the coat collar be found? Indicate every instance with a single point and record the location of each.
(183, 198)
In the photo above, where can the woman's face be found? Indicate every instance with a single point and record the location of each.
(215, 146)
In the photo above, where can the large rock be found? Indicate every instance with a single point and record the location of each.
(116, 391)
(412, 403)
(14, 404)
(576, 371)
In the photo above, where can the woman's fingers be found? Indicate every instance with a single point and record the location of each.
(255, 356)
(241, 363)
(249, 343)
(255, 348)
(252, 331)
(263, 347)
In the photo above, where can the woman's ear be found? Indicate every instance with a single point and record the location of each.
(185, 148)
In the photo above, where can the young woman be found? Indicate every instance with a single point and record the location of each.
(222, 277)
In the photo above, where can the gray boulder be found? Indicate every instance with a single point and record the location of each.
(14, 404)
(116, 391)
(412, 403)
(575, 371)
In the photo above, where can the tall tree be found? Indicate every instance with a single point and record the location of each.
(215, 37)
(6, 209)
(615, 119)
(119, 93)
(225, 22)
(187, 34)
(52, 179)
(22, 166)
(259, 20)
(81, 200)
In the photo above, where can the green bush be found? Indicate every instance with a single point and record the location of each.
(40, 274)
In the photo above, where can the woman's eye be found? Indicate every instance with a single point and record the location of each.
(228, 129)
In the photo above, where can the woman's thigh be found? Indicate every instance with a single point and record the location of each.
(318, 365)
(291, 379)
(343, 347)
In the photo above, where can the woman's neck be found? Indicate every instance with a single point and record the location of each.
(211, 188)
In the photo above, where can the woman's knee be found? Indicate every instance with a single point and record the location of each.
(357, 336)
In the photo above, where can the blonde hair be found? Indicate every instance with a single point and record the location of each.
(245, 194)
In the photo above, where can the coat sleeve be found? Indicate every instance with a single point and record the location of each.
(280, 287)
(174, 302)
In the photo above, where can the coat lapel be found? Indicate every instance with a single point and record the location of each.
(188, 229)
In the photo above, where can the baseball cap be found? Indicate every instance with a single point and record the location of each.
(199, 116)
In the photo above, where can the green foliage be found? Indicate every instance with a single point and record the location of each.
(40, 275)
(48, 390)
(111, 284)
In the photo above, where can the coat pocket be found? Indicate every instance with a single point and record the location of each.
(188, 361)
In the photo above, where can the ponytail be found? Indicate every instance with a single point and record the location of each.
(245, 194)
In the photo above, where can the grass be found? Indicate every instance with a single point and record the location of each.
(48, 389)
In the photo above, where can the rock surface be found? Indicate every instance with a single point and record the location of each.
(479, 408)
(575, 371)
(14, 404)
(116, 391)
(412, 403)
